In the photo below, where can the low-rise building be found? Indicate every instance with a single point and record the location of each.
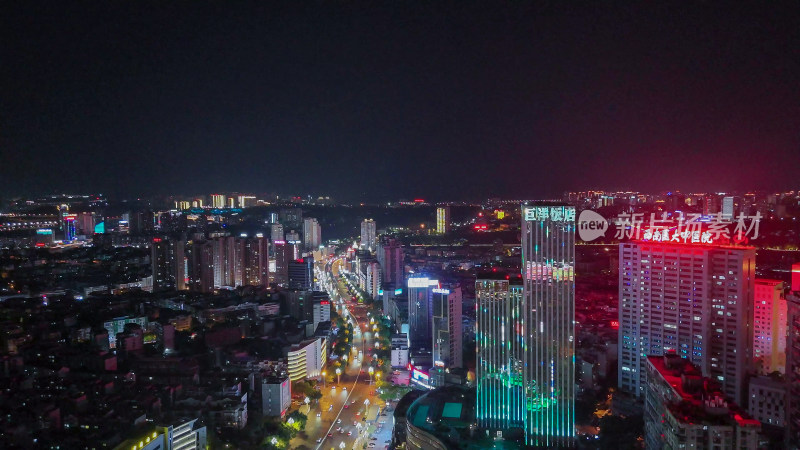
(683, 409)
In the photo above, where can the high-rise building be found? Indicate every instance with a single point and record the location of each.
(282, 258)
(301, 273)
(372, 282)
(276, 232)
(525, 335)
(200, 266)
(443, 219)
(67, 223)
(368, 234)
(390, 256)
(168, 263)
(312, 234)
(500, 342)
(792, 376)
(548, 271)
(695, 299)
(447, 336)
(420, 312)
(255, 260)
(684, 410)
(727, 207)
(218, 201)
(769, 326)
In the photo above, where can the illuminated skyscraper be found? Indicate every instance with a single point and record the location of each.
(769, 326)
(525, 335)
(390, 256)
(447, 337)
(727, 207)
(368, 234)
(420, 310)
(312, 234)
(500, 343)
(694, 299)
(443, 220)
(276, 232)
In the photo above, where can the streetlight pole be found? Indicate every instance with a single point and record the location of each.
(324, 379)
(338, 373)
(371, 370)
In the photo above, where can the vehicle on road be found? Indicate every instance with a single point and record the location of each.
(339, 421)
(319, 414)
(319, 440)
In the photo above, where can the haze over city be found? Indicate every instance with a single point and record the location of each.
(371, 101)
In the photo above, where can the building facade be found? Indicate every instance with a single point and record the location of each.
(447, 336)
(769, 326)
(368, 234)
(694, 299)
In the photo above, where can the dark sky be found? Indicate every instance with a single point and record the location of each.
(441, 100)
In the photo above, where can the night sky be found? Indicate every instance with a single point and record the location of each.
(440, 100)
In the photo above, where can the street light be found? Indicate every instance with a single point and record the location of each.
(338, 372)
(324, 379)
(371, 370)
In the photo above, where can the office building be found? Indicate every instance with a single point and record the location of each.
(769, 326)
(500, 342)
(420, 312)
(447, 336)
(368, 234)
(695, 299)
(685, 410)
(443, 220)
(301, 273)
(68, 223)
(312, 234)
(548, 249)
(276, 396)
(525, 335)
(218, 201)
(168, 263)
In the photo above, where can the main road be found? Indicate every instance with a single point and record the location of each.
(347, 414)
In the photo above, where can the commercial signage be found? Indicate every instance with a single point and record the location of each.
(441, 291)
(554, 213)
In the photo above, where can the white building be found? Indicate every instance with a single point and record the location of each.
(321, 311)
(727, 207)
(769, 326)
(368, 234)
(694, 299)
(372, 282)
(306, 359)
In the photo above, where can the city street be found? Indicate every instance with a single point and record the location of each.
(349, 414)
